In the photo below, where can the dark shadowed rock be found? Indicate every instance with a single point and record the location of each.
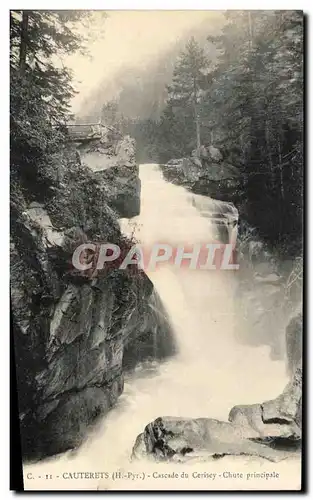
(123, 189)
(71, 327)
(294, 341)
(71, 418)
(206, 172)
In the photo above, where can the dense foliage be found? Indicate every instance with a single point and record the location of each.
(41, 90)
(180, 122)
(256, 97)
(250, 105)
(247, 101)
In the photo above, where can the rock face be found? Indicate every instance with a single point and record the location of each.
(277, 418)
(271, 430)
(215, 184)
(206, 172)
(294, 341)
(125, 186)
(72, 328)
(114, 164)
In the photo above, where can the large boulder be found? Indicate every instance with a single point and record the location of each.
(192, 168)
(279, 417)
(215, 153)
(271, 430)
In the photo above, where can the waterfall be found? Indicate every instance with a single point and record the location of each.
(210, 373)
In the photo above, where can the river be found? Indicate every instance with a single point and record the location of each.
(210, 373)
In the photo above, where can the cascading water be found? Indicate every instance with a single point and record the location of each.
(210, 373)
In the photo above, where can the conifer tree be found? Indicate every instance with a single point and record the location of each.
(41, 86)
(184, 93)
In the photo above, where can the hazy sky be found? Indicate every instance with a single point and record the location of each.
(129, 38)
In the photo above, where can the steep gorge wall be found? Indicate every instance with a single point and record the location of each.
(71, 328)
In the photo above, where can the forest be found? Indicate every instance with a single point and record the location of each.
(232, 89)
(241, 91)
(41, 90)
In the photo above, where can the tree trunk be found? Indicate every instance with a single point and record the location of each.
(250, 29)
(282, 190)
(23, 44)
(198, 130)
(269, 153)
(197, 121)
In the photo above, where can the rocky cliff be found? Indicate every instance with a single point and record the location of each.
(72, 329)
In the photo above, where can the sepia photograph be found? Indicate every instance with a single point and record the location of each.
(156, 249)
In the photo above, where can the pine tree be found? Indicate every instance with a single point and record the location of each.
(184, 93)
(41, 88)
(254, 104)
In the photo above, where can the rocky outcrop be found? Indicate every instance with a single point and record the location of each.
(215, 184)
(277, 418)
(271, 430)
(206, 172)
(72, 328)
(114, 164)
(125, 186)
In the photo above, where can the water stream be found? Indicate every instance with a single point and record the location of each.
(210, 373)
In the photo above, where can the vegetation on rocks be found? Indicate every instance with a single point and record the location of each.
(70, 327)
(249, 104)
